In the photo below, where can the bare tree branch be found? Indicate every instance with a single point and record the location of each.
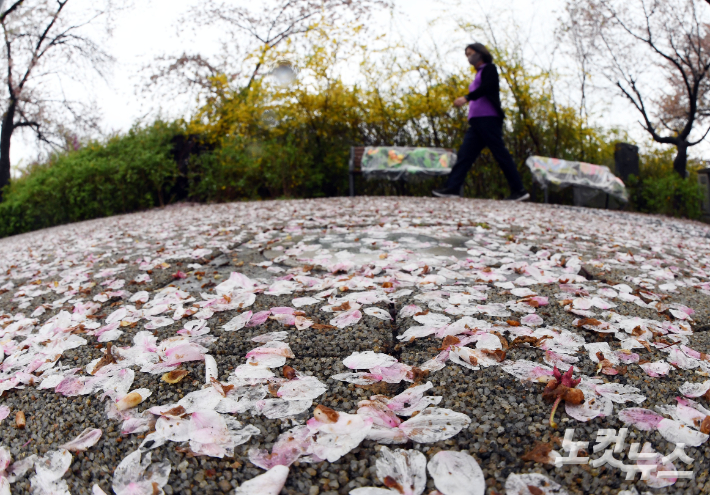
(639, 43)
(46, 44)
(250, 36)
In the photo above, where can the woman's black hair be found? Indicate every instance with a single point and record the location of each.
(481, 50)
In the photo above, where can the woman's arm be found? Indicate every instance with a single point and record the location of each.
(489, 83)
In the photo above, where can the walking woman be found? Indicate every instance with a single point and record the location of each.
(485, 118)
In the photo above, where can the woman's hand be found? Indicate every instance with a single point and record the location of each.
(460, 101)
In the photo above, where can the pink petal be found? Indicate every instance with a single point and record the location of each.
(258, 318)
(282, 311)
(643, 419)
(86, 439)
(532, 320)
(656, 369)
(347, 318)
(288, 448)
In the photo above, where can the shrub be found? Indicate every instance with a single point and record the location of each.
(668, 195)
(124, 174)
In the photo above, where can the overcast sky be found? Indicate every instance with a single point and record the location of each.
(151, 29)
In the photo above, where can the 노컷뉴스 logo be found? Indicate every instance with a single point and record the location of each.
(646, 461)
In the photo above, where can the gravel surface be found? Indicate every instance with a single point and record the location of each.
(453, 258)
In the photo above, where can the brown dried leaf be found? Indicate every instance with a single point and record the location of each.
(390, 482)
(498, 354)
(174, 376)
(289, 373)
(175, 411)
(449, 340)
(502, 339)
(593, 322)
(417, 375)
(107, 358)
(513, 323)
(325, 414)
(535, 490)
(320, 326)
(539, 453)
(20, 421)
(705, 425)
(527, 339)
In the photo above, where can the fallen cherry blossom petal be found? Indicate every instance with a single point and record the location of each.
(134, 476)
(434, 424)
(304, 301)
(368, 360)
(346, 318)
(412, 400)
(303, 388)
(358, 378)
(258, 318)
(269, 483)
(378, 313)
(49, 471)
(87, 438)
(287, 449)
(238, 322)
(456, 473)
(675, 432)
(656, 369)
(643, 419)
(404, 471)
(532, 320)
(211, 371)
(695, 389)
(339, 432)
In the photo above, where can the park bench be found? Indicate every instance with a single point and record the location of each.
(397, 163)
(589, 181)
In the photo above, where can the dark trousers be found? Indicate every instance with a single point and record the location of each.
(484, 132)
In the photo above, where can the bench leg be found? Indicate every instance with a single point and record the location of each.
(352, 184)
(606, 206)
(546, 198)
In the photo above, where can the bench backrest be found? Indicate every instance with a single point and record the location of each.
(356, 154)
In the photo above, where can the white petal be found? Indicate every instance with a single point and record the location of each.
(378, 313)
(368, 359)
(86, 439)
(269, 483)
(434, 424)
(675, 432)
(406, 467)
(694, 389)
(457, 473)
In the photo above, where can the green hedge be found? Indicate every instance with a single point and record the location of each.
(127, 173)
(138, 171)
(667, 195)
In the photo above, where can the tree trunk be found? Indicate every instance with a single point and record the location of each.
(681, 159)
(8, 126)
